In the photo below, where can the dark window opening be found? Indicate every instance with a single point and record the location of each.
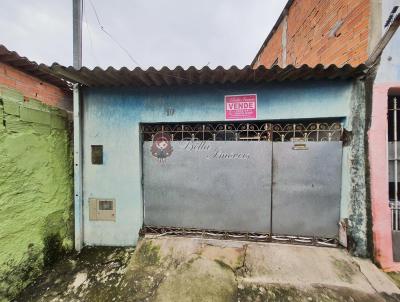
(97, 154)
(392, 191)
(393, 109)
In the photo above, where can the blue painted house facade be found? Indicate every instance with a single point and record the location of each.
(115, 172)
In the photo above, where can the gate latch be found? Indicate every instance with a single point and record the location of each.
(299, 146)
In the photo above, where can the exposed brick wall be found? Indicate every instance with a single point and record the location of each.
(274, 49)
(32, 87)
(309, 34)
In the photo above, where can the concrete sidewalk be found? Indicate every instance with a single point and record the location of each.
(314, 272)
(195, 269)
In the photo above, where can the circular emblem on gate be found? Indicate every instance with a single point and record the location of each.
(161, 147)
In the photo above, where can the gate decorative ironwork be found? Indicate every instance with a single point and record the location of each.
(256, 237)
(282, 132)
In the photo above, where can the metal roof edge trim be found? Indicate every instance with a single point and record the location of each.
(138, 77)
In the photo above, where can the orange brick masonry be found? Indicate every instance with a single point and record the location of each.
(311, 39)
(32, 87)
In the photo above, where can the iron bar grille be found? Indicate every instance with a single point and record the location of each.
(393, 156)
(247, 131)
(395, 216)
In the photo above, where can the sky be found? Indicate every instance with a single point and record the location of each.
(154, 32)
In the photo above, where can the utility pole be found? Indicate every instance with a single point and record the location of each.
(78, 169)
(77, 33)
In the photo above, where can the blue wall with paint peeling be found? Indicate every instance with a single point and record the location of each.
(111, 117)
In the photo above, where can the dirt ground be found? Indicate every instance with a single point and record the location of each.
(185, 269)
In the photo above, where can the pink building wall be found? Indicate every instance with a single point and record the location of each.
(379, 173)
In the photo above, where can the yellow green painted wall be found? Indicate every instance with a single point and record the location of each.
(36, 190)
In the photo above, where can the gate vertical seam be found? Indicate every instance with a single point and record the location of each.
(272, 184)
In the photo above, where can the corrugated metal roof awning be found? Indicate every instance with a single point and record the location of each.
(138, 77)
(32, 68)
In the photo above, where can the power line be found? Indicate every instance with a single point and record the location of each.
(110, 36)
(126, 51)
(89, 34)
(122, 47)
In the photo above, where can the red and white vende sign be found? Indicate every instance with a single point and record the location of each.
(241, 107)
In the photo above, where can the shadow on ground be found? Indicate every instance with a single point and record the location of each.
(184, 269)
